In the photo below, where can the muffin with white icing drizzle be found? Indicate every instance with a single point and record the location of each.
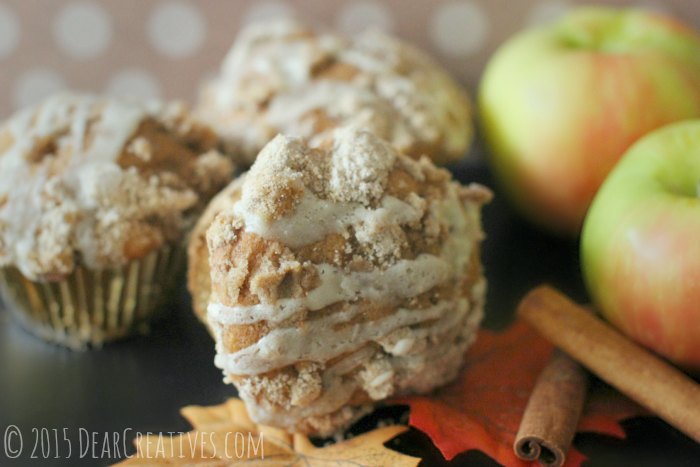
(340, 276)
(282, 77)
(96, 196)
(198, 277)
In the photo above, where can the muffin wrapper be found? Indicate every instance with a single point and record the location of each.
(91, 307)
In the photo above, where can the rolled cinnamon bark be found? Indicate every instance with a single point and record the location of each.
(552, 413)
(634, 371)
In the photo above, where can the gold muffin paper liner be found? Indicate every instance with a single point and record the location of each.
(92, 307)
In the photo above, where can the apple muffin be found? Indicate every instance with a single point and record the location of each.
(282, 77)
(341, 275)
(198, 275)
(96, 197)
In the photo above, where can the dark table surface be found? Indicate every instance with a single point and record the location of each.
(140, 384)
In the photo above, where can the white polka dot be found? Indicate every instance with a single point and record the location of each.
(83, 30)
(177, 29)
(134, 83)
(356, 17)
(9, 31)
(34, 86)
(548, 12)
(459, 28)
(267, 10)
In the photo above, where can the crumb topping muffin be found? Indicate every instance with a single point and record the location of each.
(342, 275)
(100, 182)
(282, 77)
(198, 280)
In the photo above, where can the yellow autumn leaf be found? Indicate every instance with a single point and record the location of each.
(224, 435)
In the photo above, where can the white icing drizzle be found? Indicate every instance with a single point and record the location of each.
(404, 279)
(315, 218)
(434, 348)
(336, 393)
(65, 199)
(318, 341)
(25, 185)
(415, 341)
(398, 93)
(69, 114)
(464, 223)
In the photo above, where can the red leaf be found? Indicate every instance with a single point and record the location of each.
(483, 408)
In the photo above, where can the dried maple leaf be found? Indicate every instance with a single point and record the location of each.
(483, 408)
(220, 430)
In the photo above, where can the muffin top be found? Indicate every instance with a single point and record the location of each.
(282, 77)
(355, 208)
(98, 182)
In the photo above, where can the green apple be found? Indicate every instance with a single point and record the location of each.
(560, 104)
(640, 247)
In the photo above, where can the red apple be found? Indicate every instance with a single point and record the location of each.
(560, 104)
(641, 244)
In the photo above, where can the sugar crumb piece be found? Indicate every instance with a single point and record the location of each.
(273, 187)
(141, 148)
(308, 385)
(377, 378)
(360, 166)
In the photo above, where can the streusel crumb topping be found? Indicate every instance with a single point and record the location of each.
(282, 77)
(98, 182)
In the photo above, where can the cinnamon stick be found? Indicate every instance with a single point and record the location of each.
(634, 371)
(552, 413)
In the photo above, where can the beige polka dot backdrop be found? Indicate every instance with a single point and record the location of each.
(133, 82)
(177, 29)
(9, 31)
(82, 30)
(357, 16)
(165, 48)
(459, 29)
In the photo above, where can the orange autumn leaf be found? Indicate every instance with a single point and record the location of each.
(483, 408)
(225, 435)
